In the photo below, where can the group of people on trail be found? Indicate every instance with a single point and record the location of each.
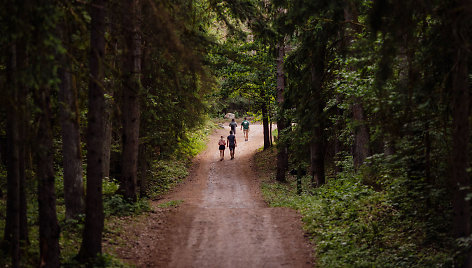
(231, 139)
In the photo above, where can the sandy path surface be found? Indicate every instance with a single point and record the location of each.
(223, 221)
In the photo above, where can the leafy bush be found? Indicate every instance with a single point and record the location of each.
(354, 225)
(165, 174)
(116, 205)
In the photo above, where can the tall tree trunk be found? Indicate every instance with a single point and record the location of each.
(108, 129)
(71, 152)
(48, 224)
(282, 150)
(111, 84)
(361, 146)
(318, 141)
(23, 141)
(12, 224)
(130, 102)
(92, 237)
(460, 180)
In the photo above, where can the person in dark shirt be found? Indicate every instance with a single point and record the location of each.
(233, 126)
(245, 125)
(231, 143)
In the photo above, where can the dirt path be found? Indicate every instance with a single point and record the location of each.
(223, 221)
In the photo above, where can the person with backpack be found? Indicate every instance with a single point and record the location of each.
(233, 126)
(231, 143)
(245, 125)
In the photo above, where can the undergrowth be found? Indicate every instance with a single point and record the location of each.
(353, 225)
(163, 175)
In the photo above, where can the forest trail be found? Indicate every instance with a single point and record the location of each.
(223, 221)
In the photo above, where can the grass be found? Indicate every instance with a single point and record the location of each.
(173, 203)
(353, 225)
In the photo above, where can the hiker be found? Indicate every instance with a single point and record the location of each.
(245, 125)
(222, 145)
(231, 143)
(233, 126)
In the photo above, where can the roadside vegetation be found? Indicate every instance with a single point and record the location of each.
(162, 176)
(353, 224)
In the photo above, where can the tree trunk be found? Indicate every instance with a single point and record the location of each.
(282, 150)
(48, 224)
(71, 152)
(361, 146)
(265, 123)
(318, 141)
(92, 237)
(23, 141)
(130, 102)
(317, 158)
(143, 168)
(460, 180)
(12, 224)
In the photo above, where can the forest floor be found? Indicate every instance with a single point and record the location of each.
(216, 218)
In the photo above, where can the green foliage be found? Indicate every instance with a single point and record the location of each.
(194, 141)
(352, 225)
(101, 261)
(172, 203)
(116, 205)
(165, 174)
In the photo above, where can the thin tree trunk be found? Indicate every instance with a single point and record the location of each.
(109, 102)
(318, 141)
(12, 224)
(72, 156)
(131, 90)
(317, 154)
(48, 224)
(92, 237)
(282, 150)
(108, 129)
(143, 168)
(460, 180)
(265, 123)
(22, 128)
(361, 146)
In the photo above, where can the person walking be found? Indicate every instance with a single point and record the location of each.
(222, 147)
(245, 128)
(233, 126)
(231, 143)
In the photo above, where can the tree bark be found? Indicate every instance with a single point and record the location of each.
(71, 151)
(265, 122)
(318, 141)
(48, 224)
(460, 180)
(92, 236)
(282, 150)
(23, 141)
(130, 102)
(12, 224)
(361, 146)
